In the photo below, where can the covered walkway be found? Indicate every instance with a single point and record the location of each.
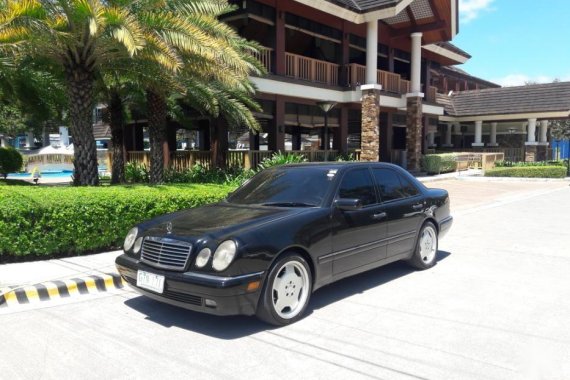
(502, 118)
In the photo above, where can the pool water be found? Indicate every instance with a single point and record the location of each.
(47, 174)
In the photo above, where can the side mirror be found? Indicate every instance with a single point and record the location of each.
(348, 204)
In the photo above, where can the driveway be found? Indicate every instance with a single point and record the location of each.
(496, 306)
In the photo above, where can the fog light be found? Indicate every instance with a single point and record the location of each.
(211, 303)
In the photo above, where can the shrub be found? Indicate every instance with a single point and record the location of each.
(281, 158)
(136, 173)
(439, 163)
(43, 221)
(512, 164)
(346, 157)
(234, 176)
(10, 161)
(528, 172)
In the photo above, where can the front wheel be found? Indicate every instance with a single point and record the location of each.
(424, 256)
(286, 292)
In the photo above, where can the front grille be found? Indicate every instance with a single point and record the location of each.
(183, 297)
(165, 253)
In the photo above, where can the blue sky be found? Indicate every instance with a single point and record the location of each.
(514, 41)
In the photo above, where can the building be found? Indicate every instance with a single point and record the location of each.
(372, 59)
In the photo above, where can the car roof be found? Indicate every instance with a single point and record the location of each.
(339, 165)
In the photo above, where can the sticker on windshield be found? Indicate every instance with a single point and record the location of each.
(331, 174)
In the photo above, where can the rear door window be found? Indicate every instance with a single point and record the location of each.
(389, 185)
(357, 184)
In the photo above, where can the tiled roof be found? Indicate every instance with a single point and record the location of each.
(101, 131)
(451, 47)
(364, 6)
(463, 73)
(551, 97)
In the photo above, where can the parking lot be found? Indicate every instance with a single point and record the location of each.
(496, 306)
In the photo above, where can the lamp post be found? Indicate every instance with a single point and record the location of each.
(326, 106)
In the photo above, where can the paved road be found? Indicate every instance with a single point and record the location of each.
(496, 306)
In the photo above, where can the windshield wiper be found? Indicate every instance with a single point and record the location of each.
(289, 204)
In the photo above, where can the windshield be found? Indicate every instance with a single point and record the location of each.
(286, 187)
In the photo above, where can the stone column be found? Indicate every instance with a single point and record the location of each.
(30, 140)
(414, 132)
(371, 52)
(542, 147)
(3, 142)
(370, 127)
(478, 134)
(448, 130)
(414, 107)
(370, 130)
(493, 135)
(531, 144)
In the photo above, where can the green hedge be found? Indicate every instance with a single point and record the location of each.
(43, 221)
(509, 164)
(439, 163)
(528, 172)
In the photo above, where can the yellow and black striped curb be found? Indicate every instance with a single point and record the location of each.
(51, 290)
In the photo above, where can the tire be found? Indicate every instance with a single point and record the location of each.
(286, 292)
(425, 253)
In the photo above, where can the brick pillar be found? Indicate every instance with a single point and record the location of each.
(414, 133)
(530, 153)
(370, 130)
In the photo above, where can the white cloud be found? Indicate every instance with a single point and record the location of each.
(522, 79)
(470, 9)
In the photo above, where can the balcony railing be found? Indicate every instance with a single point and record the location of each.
(264, 56)
(313, 70)
(391, 82)
(183, 160)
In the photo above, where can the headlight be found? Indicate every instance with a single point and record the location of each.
(130, 239)
(203, 257)
(224, 255)
(138, 245)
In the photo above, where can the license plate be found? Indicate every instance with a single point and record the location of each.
(150, 281)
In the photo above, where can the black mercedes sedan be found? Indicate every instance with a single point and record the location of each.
(284, 234)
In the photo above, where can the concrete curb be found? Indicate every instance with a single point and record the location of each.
(56, 289)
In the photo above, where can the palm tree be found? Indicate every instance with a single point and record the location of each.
(202, 53)
(76, 36)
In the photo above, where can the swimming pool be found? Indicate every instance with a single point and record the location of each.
(62, 174)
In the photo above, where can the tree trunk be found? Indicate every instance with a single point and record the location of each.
(219, 142)
(156, 104)
(80, 88)
(117, 124)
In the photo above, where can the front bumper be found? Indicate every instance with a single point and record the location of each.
(190, 290)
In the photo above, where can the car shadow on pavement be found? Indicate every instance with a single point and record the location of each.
(362, 282)
(234, 327)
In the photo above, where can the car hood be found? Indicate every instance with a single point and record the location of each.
(216, 220)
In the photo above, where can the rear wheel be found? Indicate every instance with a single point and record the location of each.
(426, 247)
(286, 292)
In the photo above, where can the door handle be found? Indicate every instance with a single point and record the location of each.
(418, 206)
(380, 215)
